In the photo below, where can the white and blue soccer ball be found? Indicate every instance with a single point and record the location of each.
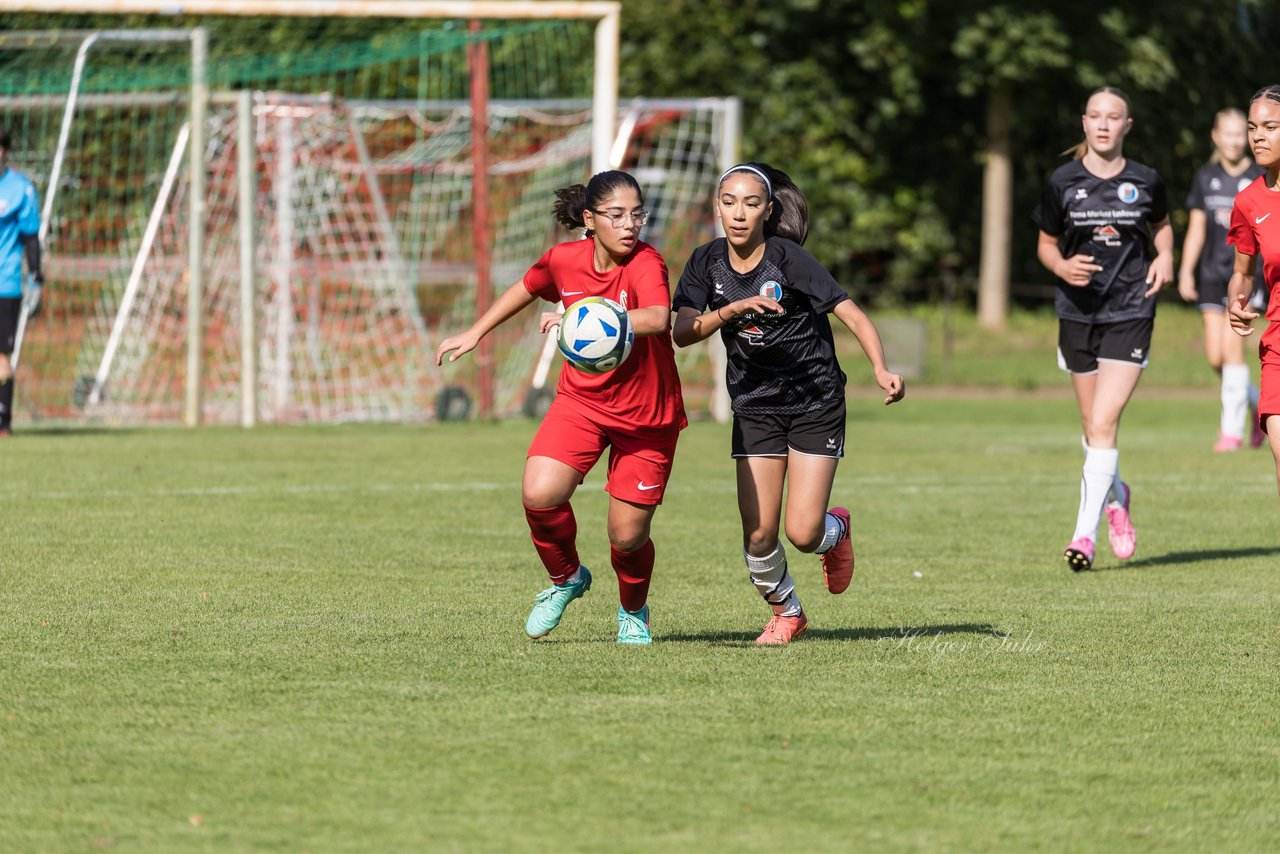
(595, 335)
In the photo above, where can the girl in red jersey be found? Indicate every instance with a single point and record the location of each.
(1255, 230)
(635, 410)
(1098, 218)
(770, 301)
(1207, 262)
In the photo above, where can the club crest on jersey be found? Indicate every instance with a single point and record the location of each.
(1107, 235)
(772, 290)
(1127, 193)
(1081, 193)
(754, 335)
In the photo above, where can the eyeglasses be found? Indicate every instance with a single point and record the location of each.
(617, 216)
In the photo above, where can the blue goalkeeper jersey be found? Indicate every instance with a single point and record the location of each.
(19, 215)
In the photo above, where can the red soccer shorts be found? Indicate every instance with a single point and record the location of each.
(1269, 384)
(639, 457)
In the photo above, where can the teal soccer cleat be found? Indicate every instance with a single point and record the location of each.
(551, 603)
(634, 628)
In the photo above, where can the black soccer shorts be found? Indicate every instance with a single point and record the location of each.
(817, 433)
(1082, 345)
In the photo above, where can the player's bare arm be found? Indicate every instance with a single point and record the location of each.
(651, 320)
(1075, 271)
(692, 326)
(869, 339)
(1160, 273)
(1240, 313)
(512, 302)
(1192, 246)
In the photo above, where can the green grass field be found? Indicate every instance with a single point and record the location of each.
(311, 639)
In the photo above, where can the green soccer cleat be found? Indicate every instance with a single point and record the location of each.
(551, 603)
(634, 628)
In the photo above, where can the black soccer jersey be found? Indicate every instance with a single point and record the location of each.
(778, 363)
(1214, 191)
(1109, 219)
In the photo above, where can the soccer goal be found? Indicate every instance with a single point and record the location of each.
(272, 212)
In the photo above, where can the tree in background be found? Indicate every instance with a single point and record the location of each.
(1003, 50)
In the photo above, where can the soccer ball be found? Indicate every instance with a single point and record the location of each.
(595, 335)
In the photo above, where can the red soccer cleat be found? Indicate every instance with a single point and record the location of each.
(837, 562)
(783, 630)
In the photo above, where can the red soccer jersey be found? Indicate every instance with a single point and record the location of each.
(1255, 230)
(644, 391)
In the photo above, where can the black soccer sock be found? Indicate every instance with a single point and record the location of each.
(6, 402)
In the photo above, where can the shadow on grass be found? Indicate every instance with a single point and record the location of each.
(50, 430)
(1197, 556)
(851, 633)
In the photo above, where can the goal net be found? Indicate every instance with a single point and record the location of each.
(361, 186)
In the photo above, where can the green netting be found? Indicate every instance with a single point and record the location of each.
(538, 59)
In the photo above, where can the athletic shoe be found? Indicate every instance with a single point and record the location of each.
(837, 561)
(1226, 444)
(1079, 554)
(549, 607)
(1256, 435)
(783, 630)
(634, 628)
(1120, 527)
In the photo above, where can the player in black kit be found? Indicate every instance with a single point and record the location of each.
(770, 301)
(1207, 264)
(1098, 217)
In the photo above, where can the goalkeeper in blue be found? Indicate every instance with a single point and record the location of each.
(19, 238)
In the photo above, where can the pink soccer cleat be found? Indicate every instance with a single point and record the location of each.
(837, 561)
(1226, 444)
(1124, 540)
(1079, 554)
(783, 630)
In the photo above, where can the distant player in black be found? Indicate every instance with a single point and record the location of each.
(770, 301)
(1207, 264)
(19, 240)
(1098, 217)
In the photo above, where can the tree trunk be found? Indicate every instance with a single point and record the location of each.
(997, 201)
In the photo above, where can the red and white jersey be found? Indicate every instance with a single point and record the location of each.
(644, 391)
(1255, 230)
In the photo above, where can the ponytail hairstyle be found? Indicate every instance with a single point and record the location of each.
(790, 215)
(1081, 148)
(572, 201)
(6, 141)
(1218, 118)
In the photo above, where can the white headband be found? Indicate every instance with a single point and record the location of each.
(768, 185)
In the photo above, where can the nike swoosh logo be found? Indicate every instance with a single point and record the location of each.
(1257, 220)
(642, 487)
(570, 293)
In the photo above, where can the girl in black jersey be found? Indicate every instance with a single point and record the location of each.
(769, 299)
(1207, 263)
(1098, 217)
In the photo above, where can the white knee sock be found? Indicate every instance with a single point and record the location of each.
(833, 529)
(769, 575)
(1097, 478)
(1235, 399)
